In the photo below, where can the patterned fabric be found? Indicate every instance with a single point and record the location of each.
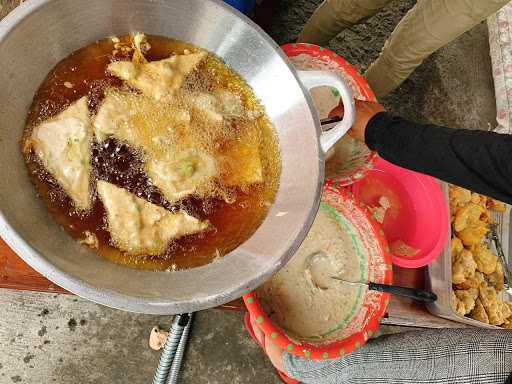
(443, 356)
(500, 41)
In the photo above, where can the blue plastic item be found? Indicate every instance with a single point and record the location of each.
(244, 6)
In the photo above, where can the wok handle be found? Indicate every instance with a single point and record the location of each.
(412, 293)
(312, 79)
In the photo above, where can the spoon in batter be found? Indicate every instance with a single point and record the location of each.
(321, 271)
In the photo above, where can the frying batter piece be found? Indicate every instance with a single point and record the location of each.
(163, 133)
(217, 106)
(139, 227)
(175, 162)
(140, 121)
(63, 144)
(241, 161)
(157, 78)
(182, 174)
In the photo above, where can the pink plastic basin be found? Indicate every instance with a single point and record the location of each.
(418, 215)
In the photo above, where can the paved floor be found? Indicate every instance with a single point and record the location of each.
(47, 338)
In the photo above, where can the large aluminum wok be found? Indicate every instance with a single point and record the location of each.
(39, 33)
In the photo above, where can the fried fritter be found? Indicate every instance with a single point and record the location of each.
(508, 321)
(486, 261)
(471, 224)
(139, 227)
(63, 145)
(473, 234)
(509, 304)
(479, 199)
(496, 205)
(493, 306)
(458, 197)
(478, 312)
(463, 268)
(476, 281)
(506, 310)
(456, 247)
(496, 279)
(467, 215)
(157, 78)
(476, 198)
(457, 305)
(477, 273)
(466, 299)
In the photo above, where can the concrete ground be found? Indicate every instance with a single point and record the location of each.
(47, 338)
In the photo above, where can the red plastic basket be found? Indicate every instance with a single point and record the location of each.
(357, 157)
(366, 321)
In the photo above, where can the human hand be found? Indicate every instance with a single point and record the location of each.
(365, 110)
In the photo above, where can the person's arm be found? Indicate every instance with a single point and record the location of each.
(477, 160)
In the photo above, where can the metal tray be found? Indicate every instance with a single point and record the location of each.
(439, 273)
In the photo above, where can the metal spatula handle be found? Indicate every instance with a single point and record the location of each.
(412, 293)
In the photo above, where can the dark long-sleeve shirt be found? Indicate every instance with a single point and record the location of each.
(477, 160)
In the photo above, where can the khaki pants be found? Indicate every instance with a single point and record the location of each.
(428, 26)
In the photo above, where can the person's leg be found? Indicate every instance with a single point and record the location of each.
(428, 26)
(332, 16)
(469, 355)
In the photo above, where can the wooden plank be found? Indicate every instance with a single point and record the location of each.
(16, 274)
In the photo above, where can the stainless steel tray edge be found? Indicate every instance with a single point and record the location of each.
(439, 279)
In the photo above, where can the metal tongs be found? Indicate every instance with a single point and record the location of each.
(499, 249)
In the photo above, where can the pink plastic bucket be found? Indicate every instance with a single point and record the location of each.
(418, 216)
